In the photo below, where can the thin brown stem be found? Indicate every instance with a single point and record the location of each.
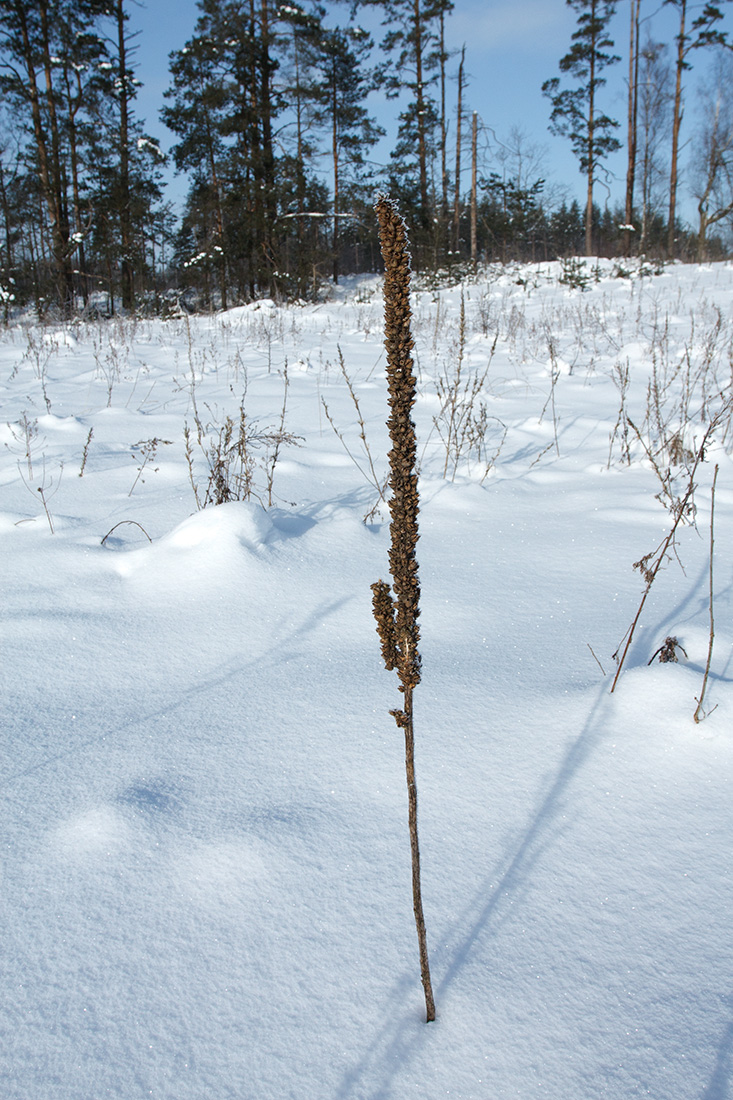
(415, 848)
(699, 712)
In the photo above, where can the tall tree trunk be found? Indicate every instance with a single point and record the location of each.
(443, 126)
(6, 219)
(8, 240)
(474, 158)
(633, 108)
(268, 154)
(61, 232)
(251, 146)
(459, 129)
(73, 105)
(591, 153)
(222, 262)
(127, 273)
(676, 122)
(48, 166)
(336, 182)
(300, 180)
(422, 145)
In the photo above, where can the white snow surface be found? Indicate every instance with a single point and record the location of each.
(205, 866)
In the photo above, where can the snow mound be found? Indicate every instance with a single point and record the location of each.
(238, 521)
(212, 546)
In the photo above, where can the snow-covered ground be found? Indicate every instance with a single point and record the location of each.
(205, 869)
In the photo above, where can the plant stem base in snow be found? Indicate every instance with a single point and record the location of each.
(416, 890)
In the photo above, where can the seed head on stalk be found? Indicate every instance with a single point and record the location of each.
(397, 610)
(404, 502)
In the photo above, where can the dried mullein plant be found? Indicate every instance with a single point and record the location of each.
(397, 610)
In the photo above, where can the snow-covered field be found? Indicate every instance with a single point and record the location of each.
(205, 869)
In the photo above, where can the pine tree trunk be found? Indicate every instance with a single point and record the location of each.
(633, 104)
(591, 150)
(474, 158)
(48, 166)
(268, 153)
(127, 276)
(420, 102)
(676, 122)
(443, 128)
(336, 195)
(457, 195)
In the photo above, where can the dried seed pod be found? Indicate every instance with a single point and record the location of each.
(383, 607)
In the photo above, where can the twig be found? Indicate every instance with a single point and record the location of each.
(45, 507)
(85, 453)
(132, 521)
(699, 712)
(278, 438)
(590, 647)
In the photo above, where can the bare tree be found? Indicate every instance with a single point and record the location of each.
(703, 31)
(653, 126)
(712, 162)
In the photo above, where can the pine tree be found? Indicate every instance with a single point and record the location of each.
(198, 96)
(66, 73)
(344, 83)
(575, 111)
(415, 41)
(124, 165)
(300, 88)
(34, 43)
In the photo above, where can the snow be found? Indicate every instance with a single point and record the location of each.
(205, 872)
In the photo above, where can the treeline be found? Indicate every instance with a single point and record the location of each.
(80, 185)
(269, 105)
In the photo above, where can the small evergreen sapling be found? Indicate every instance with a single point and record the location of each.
(397, 614)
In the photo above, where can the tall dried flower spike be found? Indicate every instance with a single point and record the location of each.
(397, 617)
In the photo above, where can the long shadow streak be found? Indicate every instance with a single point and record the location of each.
(272, 657)
(718, 1085)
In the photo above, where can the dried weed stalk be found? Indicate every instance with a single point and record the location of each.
(240, 455)
(700, 712)
(681, 509)
(370, 473)
(397, 615)
(85, 452)
(44, 490)
(463, 421)
(145, 452)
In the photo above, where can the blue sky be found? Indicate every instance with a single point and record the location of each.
(512, 46)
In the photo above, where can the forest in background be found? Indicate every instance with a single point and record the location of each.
(263, 95)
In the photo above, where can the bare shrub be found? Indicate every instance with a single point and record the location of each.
(463, 422)
(240, 454)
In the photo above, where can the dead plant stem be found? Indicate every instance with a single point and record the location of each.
(699, 712)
